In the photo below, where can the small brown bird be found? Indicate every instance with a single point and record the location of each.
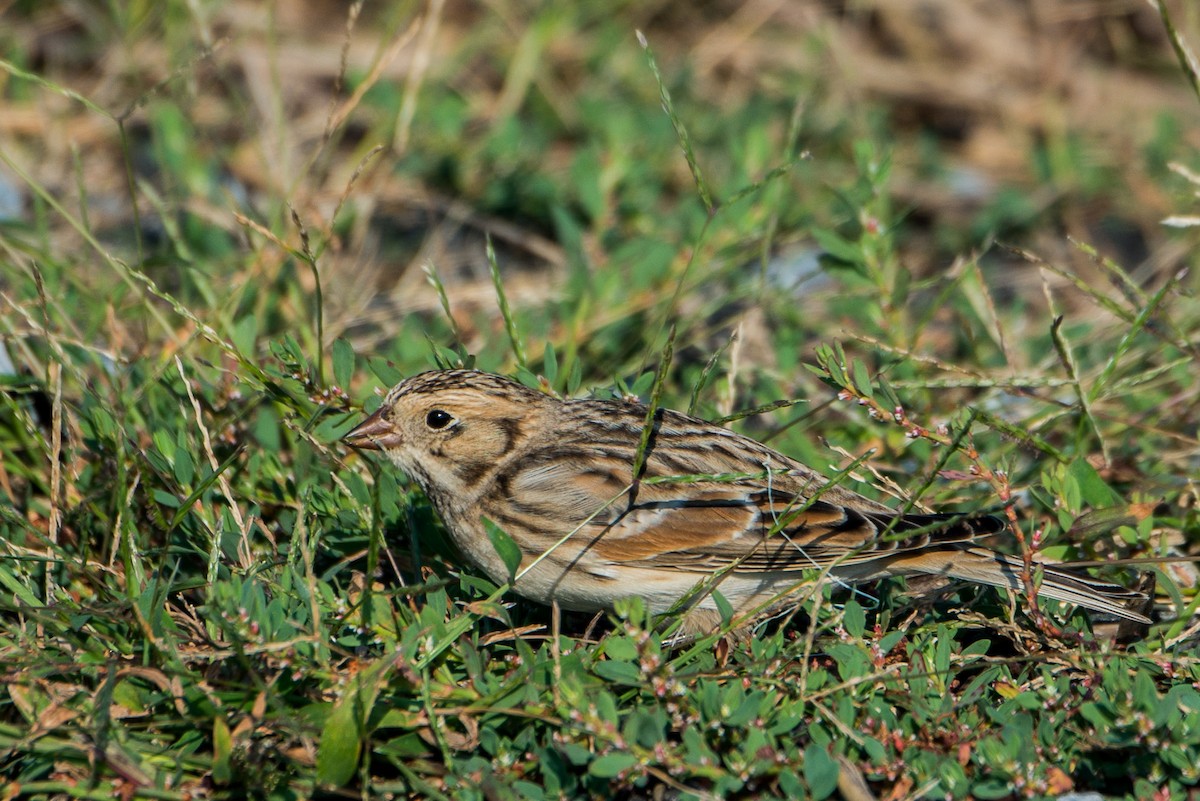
(558, 477)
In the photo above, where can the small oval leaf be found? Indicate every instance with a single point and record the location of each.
(337, 753)
(343, 362)
(611, 765)
(508, 551)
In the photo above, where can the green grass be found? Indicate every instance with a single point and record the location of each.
(202, 594)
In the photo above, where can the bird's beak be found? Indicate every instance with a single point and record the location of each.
(373, 434)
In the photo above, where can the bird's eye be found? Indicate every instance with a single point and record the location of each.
(438, 418)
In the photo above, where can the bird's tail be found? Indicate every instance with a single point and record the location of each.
(1000, 570)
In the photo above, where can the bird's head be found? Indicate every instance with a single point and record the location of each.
(448, 429)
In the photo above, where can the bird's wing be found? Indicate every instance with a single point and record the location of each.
(770, 531)
(785, 521)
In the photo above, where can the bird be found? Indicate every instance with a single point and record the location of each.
(599, 516)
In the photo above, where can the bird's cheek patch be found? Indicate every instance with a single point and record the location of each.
(470, 472)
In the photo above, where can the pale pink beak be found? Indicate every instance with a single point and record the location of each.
(373, 434)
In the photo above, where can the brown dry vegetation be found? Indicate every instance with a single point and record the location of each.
(982, 84)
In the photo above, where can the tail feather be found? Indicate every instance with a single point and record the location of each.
(1061, 584)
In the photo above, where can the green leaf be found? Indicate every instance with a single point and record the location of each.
(1094, 714)
(791, 786)
(1072, 498)
(244, 333)
(941, 650)
(528, 378)
(874, 749)
(576, 377)
(620, 648)
(343, 362)
(165, 443)
(1095, 492)
(723, 606)
(838, 247)
(550, 365)
(185, 470)
(641, 384)
(13, 584)
(977, 648)
(606, 707)
(222, 748)
(862, 379)
(820, 771)
(385, 371)
(889, 641)
(890, 399)
(576, 754)
(528, 790)
(620, 672)
(291, 351)
(992, 788)
(852, 660)
(745, 712)
(854, 619)
(340, 745)
(1093, 523)
(103, 423)
(508, 551)
(1027, 700)
(610, 765)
